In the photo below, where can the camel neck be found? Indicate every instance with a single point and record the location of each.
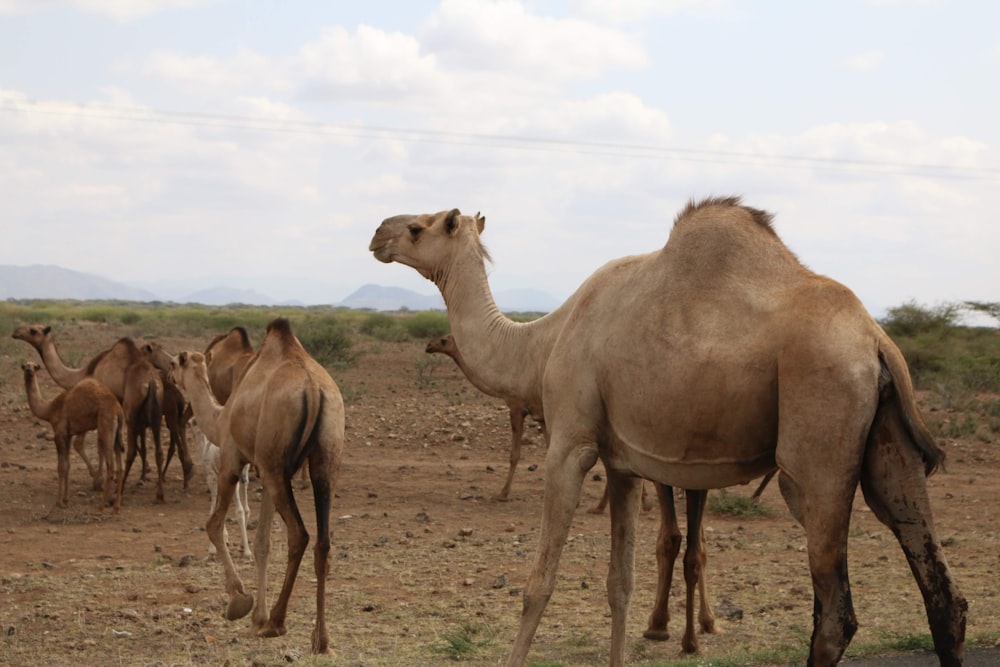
(206, 409)
(39, 406)
(63, 375)
(500, 356)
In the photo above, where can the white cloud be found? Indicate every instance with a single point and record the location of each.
(621, 11)
(119, 10)
(202, 74)
(865, 61)
(504, 35)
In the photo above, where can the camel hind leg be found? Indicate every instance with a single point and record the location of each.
(695, 559)
(320, 474)
(895, 487)
(625, 494)
(668, 546)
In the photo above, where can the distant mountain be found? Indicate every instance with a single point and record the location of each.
(222, 296)
(377, 297)
(52, 282)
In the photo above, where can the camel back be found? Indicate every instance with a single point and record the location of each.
(124, 347)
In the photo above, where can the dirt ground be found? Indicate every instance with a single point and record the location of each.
(426, 567)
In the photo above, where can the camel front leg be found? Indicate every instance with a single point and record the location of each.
(79, 443)
(895, 487)
(668, 545)
(565, 468)
(243, 511)
(625, 494)
(516, 440)
(240, 602)
(62, 471)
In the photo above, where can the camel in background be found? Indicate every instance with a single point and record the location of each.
(86, 406)
(286, 410)
(507, 359)
(518, 410)
(126, 371)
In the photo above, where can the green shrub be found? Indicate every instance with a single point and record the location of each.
(427, 324)
(742, 507)
(381, 326)
(327, 340)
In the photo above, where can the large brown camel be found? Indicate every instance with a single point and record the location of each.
(727, 330)
(507, 359)
(113, 367)
(86, 406)
(518, 410)
(286, 410)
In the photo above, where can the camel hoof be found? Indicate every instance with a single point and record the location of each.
(239, 606)
(656, 635)
(268, 630)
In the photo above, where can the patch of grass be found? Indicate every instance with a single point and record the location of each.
(427, 324)
(464, 641)
(742, 507)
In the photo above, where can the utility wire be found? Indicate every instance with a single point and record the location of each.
(482, 140)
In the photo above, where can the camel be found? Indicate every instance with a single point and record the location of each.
(286, 410)
(86, 406)
(210, 457)
(507, 359)
(518, 410)
(176, 412)
(727, 330)
(228, 355)
(113, 367)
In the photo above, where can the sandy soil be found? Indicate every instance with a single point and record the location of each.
(425, 566)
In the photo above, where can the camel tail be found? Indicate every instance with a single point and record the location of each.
(308, 427)
(154, 411)
(896, 394)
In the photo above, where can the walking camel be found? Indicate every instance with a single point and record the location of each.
(286, 410)
(507, 359)
(727, 330)
(124, 369)
(518, 410)
(86, 406)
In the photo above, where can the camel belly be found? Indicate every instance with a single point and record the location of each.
(715, 473)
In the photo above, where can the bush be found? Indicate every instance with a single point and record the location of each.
(427, 324)
(911, 319)
(327, 340)
(384, 327)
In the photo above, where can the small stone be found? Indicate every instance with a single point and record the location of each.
(464, 532)
(533, 467)
(500, 581)
(187, 560)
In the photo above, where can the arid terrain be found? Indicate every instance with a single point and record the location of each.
(426, 567)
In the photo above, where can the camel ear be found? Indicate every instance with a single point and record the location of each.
(47, 330)
(451, 220)
(182, 358)
(480, 222)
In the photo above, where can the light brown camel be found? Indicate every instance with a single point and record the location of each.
(86, 406)
(285, 410)
(518, 410)
(112, 367)
(726, 331)
(507, 359)
(176, 412)
(227, 356)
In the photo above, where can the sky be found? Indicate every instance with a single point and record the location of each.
(259, 143)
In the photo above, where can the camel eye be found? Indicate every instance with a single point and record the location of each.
(415, 231)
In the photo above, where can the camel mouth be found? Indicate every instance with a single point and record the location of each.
(381, 252)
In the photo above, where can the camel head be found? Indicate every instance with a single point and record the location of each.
(33, 334)
(430, 242)
(158, 356)
(30, 368)
(186, 367)
(441, 345)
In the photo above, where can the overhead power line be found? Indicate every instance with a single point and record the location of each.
(514, 142)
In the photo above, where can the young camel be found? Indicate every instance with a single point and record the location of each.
(740, 360)
(285, 410)
(210, 457)
(124, 369)
(86, 406)
(507, 359)
(518, 410)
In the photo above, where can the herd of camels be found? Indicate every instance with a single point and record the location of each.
(714, 361)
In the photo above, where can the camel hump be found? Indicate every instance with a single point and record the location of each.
(712, 206)
(280, 326)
